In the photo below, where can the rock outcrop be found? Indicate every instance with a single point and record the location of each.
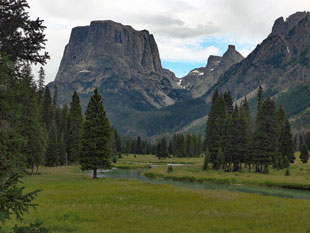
(199, 80)
(279, 63)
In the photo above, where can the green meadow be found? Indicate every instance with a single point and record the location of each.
(70, 201)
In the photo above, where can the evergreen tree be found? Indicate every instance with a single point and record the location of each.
(74, 131)
(21, 40)
(238, 140)
(220, 159)
(286, 142)
(41, 80)
(265, 136)
(30, 126)
(55, 97)
(61, 150)
(188, 150)
(47, 110)
(170, 148)
(51, 154)
(215, 125)
(163, 148)
(229, 103)
(95, 151)
(304, 154)
(227, 141)
(139, 146)
(206, 160)
(286, 162)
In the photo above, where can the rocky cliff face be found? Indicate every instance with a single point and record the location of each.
(279, 63)
(199, 80)
(124, 65)
(119, 61)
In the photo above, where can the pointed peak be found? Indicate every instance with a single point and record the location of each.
(231, 48)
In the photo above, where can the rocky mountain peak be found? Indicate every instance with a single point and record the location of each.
(201, 79)
(282, 26)
(230, 57)
(94, 45)
(213, 61)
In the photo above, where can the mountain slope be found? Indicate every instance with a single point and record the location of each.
(199, 80)
(280, 62)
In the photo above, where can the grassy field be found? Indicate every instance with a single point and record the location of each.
(72, 202)
(299, 177)
(153, 159)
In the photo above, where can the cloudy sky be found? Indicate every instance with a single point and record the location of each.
(186, 31)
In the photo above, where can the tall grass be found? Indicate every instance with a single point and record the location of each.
(72, 202)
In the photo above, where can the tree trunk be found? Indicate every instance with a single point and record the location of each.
(95, 173)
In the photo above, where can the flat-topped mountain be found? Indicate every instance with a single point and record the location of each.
(124, 65)
(120, 60)
(199, 80)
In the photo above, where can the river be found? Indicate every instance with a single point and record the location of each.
(136, 174)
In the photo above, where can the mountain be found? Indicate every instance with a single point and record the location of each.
(124, 65)
(142, 98)
(201, 79)
(280, 63)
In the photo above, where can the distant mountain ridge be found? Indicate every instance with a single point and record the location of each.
(142, 98)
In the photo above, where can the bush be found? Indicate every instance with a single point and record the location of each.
(170, 169)
(287, 173)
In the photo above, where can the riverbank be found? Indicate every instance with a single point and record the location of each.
(298, 179)
(70, 201)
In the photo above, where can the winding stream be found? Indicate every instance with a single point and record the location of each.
(136, 174)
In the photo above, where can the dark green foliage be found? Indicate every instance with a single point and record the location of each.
(74, 129)
(206, 160)
(220, 159)
(32, 228)
(95, 151)
(162, 149)
(139, 146)
(21, 38)
(215, 124)
(30, 127)
(169, 169)
(55, 97)
(41, 80)
(227, 141)
(286, 162)
(51, 155)
(47, 109)
(12, 198)
(233, 139)
(304, 154)
(265, 134)
(21, 144)
(286, 142)
(287, 172)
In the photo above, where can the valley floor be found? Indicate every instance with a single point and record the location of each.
(72, 202)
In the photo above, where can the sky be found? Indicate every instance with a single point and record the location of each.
(187, 32)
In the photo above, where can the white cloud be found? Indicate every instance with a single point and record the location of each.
(178, 25)
(175, 49)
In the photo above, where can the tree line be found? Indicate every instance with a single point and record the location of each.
(234, 139)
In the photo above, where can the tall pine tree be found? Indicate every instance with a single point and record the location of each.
(74, 130)
(95, 151)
